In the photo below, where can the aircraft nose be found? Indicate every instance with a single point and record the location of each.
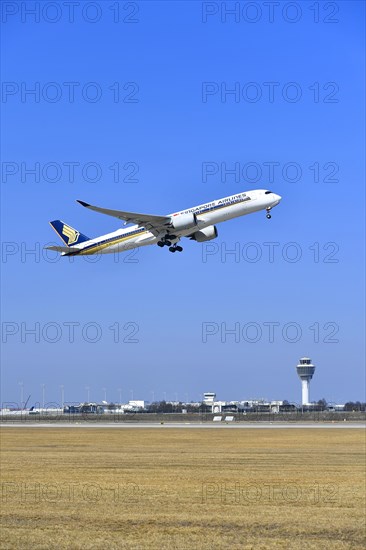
(277, 199)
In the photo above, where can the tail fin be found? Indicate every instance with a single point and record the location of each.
(69, 235)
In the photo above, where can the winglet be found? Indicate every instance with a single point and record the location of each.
(83, 203)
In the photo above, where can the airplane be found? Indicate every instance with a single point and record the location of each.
(197, 223)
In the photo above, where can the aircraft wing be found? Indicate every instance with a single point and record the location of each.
(154, 223)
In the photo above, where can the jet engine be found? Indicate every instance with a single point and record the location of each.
(184, 221)
(206, 234)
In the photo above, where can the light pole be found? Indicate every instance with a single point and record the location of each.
(62, 388)
(105, 394)
(153, 396)
(87, 393)
(43, 393)
(120, 395)
(21, 385)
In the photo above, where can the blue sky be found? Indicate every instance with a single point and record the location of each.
(174, 134)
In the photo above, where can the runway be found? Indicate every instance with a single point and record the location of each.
(189, 425)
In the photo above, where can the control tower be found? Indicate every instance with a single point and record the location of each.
(209, 399)
(305, 370)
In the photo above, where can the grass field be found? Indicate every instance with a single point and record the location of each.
(182, 489)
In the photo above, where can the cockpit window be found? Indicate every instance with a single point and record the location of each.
(267, 192)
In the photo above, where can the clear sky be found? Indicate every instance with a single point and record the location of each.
(155, 107)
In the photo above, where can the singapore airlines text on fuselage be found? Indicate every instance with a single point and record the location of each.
(196, 223)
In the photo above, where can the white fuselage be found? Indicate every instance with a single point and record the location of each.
(207, 214)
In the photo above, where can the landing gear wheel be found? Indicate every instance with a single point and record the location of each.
(268, 216)
(179, 248)
(161, 244)
(172, 249)
(168, 243)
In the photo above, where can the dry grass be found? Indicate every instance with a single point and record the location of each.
(182, 489)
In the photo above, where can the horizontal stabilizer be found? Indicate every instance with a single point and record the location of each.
(62, 249)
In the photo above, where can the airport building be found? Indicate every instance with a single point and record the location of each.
(209, 403)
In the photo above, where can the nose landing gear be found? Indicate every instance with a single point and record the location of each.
(268, 215)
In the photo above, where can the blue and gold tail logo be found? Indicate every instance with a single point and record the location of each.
(68, 234)
(71, 234)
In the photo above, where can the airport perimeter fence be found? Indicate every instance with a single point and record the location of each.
(202, 417)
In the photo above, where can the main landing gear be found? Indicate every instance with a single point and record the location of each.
(268, 215)
(167, 241)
